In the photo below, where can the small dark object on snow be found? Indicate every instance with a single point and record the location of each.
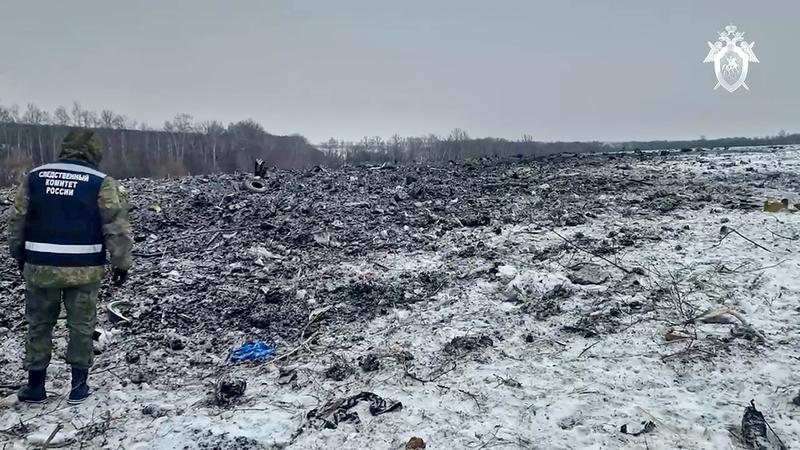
(648, 427)
(286, 376)
(138, 377)
(266, 226)
(529, 338)
(574, 220)
(153, 411)
(415, 443)
(116, 311)
(754, 430)
(229, 389)
(176, 343)
(339, 371)
(404, 356)
(475, 220)
(369, 362)
(796, 400)
(465, 344)
(132, 357)
(337, 411)
(637, 271)
(580, 329)
(274, 296)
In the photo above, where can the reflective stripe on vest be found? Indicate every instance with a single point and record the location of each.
(63, 249)
(71, 168)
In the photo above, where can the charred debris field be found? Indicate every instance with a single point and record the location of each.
(591, 301)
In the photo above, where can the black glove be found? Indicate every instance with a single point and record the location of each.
(119, 276)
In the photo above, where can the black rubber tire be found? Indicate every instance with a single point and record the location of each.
(256, 186)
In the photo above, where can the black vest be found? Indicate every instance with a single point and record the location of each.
(63, 227)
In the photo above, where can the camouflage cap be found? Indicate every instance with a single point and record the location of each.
(82, 144)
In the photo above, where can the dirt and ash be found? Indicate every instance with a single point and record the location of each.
(507, 303)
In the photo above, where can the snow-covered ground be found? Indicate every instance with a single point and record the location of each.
(538, 385)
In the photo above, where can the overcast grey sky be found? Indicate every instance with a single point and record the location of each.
(557, 70)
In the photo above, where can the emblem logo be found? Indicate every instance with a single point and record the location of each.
(731, 56)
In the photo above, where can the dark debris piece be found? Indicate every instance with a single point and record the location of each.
(153, 411)
(228, 389)
(586, 331)
(286, 376)
(337, 411)
(176, 343)
(369, 362)
(648, 427)
(132, 357)
(466, 344)
(754, 430)
(339, 371)
(416, 443)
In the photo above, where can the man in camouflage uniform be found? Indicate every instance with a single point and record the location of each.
(65, 217)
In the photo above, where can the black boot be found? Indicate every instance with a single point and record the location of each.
(80, 390)
(34, 392)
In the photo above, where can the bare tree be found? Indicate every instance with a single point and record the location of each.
(107, 118)
(455, 147)
(36, 117)
(122, 122)
(61, 117)
(395, 147)
(77, 113)
(214, 130)
(84, 118)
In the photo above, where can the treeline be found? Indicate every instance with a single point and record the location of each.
(179, 147)
(458, 145)
(782, 138)
(183, 146)
(433, 148)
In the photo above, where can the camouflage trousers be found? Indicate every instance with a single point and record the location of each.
(42, 307)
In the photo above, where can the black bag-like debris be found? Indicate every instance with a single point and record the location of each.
(754, 431)
(337, 411)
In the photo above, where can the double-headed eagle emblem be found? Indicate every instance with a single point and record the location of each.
(731, 56)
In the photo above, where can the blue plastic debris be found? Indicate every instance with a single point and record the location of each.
(253, 351)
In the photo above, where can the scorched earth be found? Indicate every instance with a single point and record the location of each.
(617, 301)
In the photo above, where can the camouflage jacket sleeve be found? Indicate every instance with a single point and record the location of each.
(113, 202)
(16, 222)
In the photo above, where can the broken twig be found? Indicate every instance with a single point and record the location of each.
(52, 435)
